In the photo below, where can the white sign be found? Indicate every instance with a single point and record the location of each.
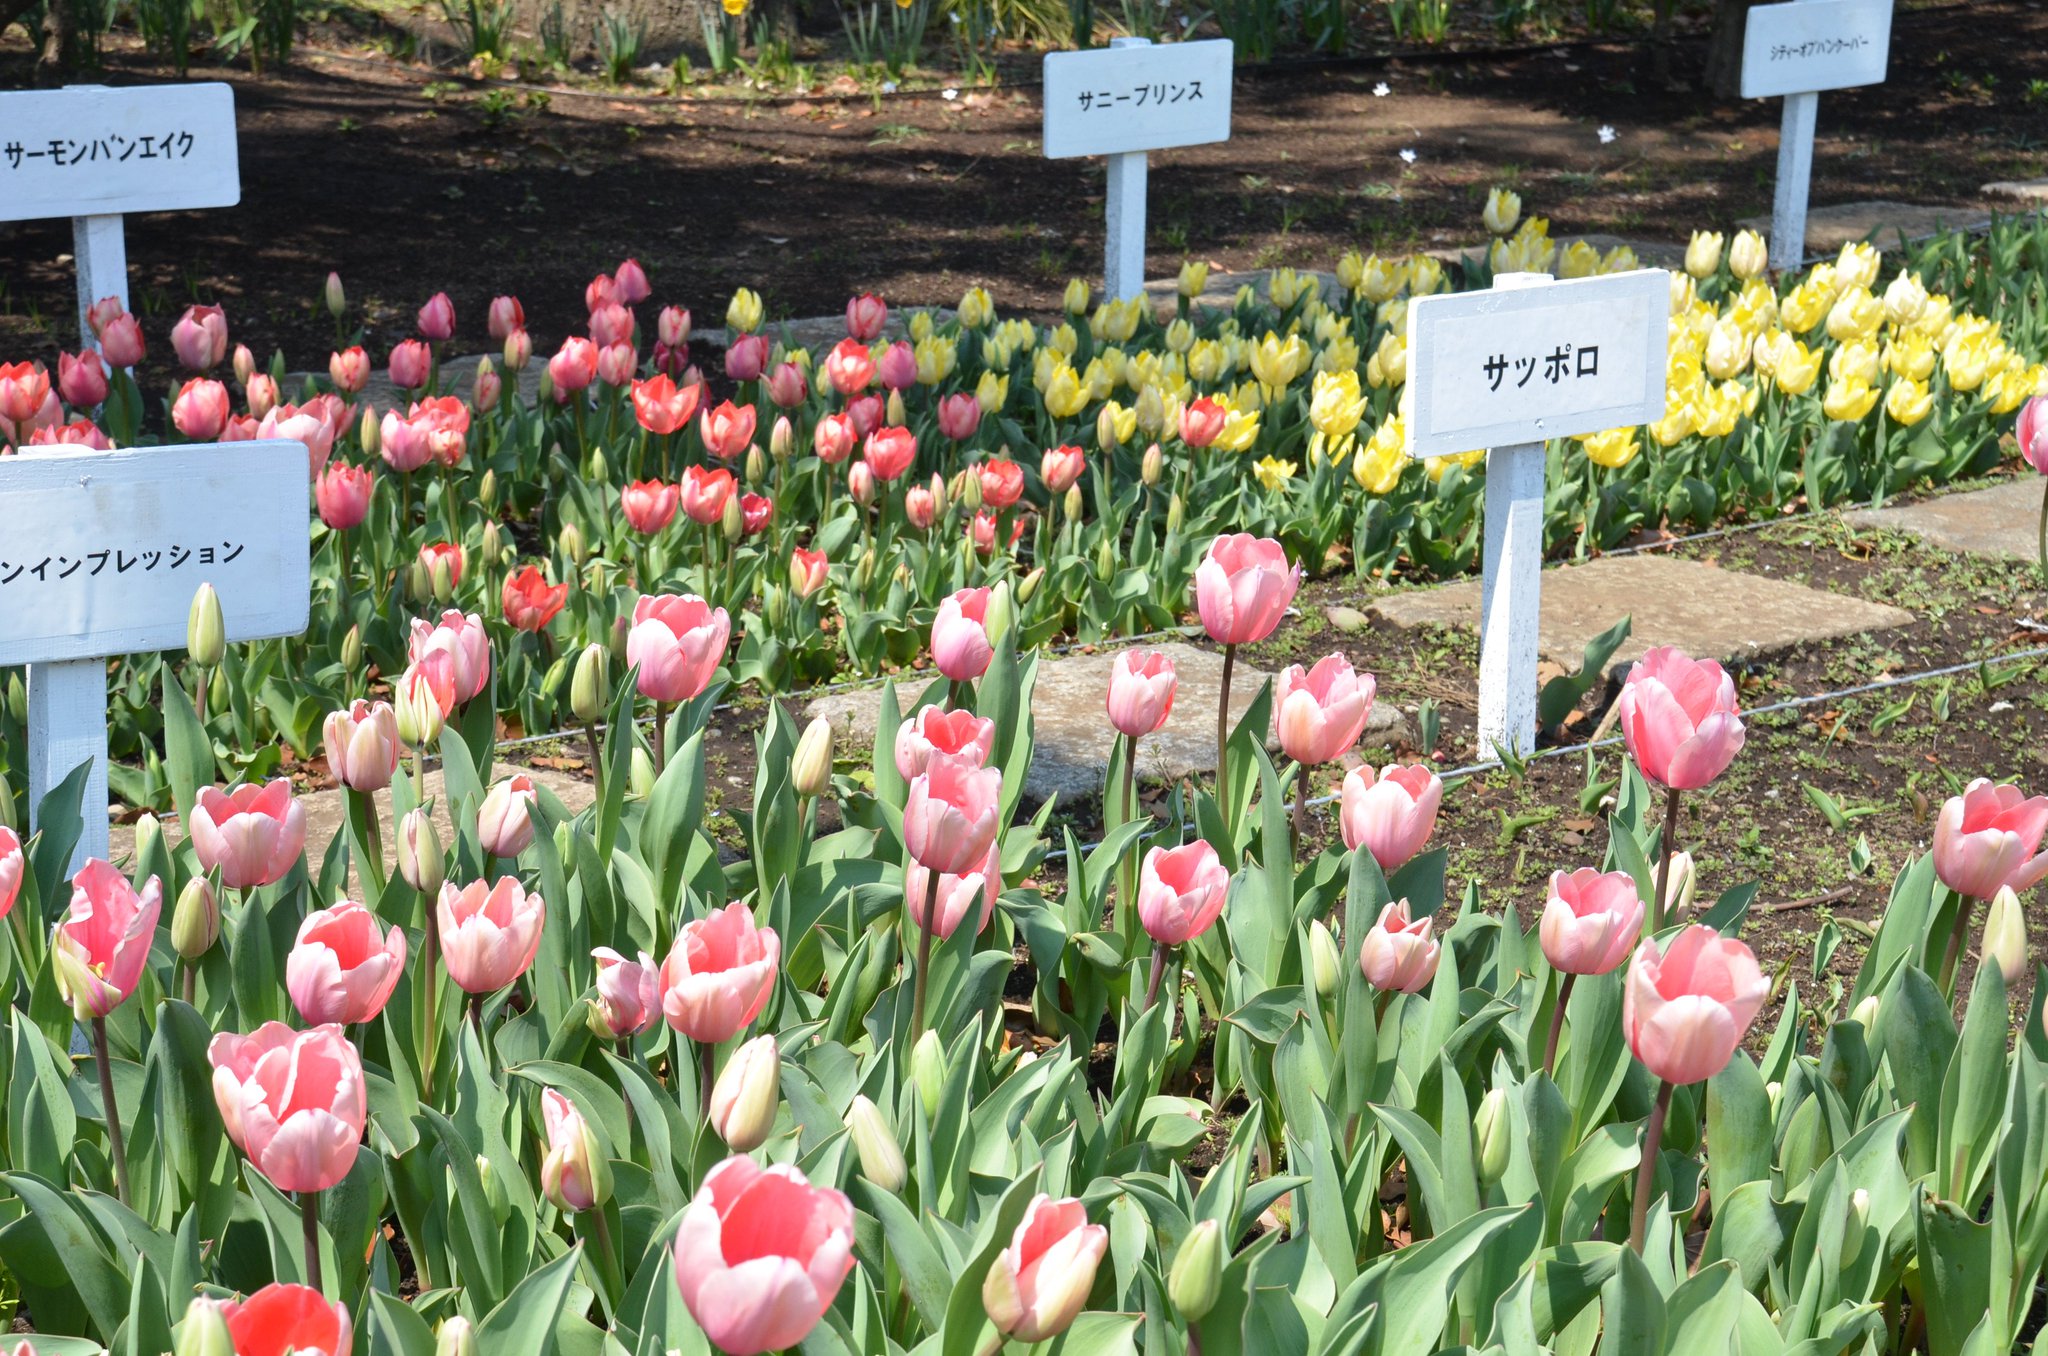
(92, 151)
(103, 550)
(1815, 45)
(1521, 365)
(1137, 96)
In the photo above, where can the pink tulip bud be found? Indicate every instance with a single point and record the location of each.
(761, 1254)
(1398, 954)
(1181, 892)
(244, 364)
(1390, 816)
(1141, 688)
(628, 994)
(1243, 587)
(1685, 1010)
(261, 391)
(934, 730)
(719, 974)
(81, 380)
(746, 358)
(121, 341)
(412, 365)
(1060, 468)
(102, 313)
(12, 863)
(808, 571)
(505, 315)
(201, 410)
(866, 315)
(756, 512)
(99, 949)
(849, 367)
(253, 835)
(960, 641)
(200, 338)
(1037, 1286)
(349, 369)
(341, 969)
(1319, 714)
(787, 385)
(959, 416)
(973, 890)
(833, 440)
(23, 389)
(866, 412)
(1988, 837)
(616, 364)
(746, 1096)
(629, 280)
(437, 318)
(573, 1173)
(676, 643)
(1678, 719)
(518, 350)
(648, 505)
(673, 325)
(362, 745)
(293, 1101)
(1591, 920)
(489, 933)
(982, 532)
(488, 386)
(503, 825)
(1201, 422)
(573, 367)
(727, 430)
(897, 368)
(919, 507)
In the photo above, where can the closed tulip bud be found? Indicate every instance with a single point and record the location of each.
(928, 1070)
(149, 834)
(1855, 1226)
(419, 582)
(336, 299)
(455, 1337)
(881, 1158)
(967, 490)
(1174, 514)
(781, 439)
(1001, 614)
(1076, 298)
(640, 774)
(733, 520)
(195, 922)
(10, 817)
(895, 410)
(1028, 585)
(487, 491)
(746, 1096)
(444, 580)
(1195, 1282)
(600, 469)
(757, 465)
(774, 604)
(810, 769)
(1490, 1131)
(590, 688)
(205, 632)
(2005, 936)
(1073, 505)
(492, 544)
(204, 1331)
(1683, 883)
(370, 433)
(1703, 254)
(1153, 466)
(1748, 255)
(352, 650)
(1865, 1013)
(574, 1175)
(419, 852)
(1324, 960)
(570, 539)
(244, 364)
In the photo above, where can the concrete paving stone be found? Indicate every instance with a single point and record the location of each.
(1709, 613)
(1073, 737)
(1887, 224)
(2003, 520)
(2027, 190)
(1651, 253)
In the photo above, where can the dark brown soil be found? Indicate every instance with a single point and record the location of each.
(407, 181)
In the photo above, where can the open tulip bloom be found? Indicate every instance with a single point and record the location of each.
(1678, 718)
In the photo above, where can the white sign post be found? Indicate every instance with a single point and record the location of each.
(1122, 101)
(101, 556)
(1797, 50)
(1507, 370)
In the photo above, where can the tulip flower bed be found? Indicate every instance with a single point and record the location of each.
(587, 1084)
(830, 501)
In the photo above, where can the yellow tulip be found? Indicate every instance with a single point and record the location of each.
(1425, 275)
(1208, 360)
(1855, 315)
(1114, 426)
(1285, 287)
(1240, 431)
(1438, 466)
(1804, 307)
(1855, 362)
(1909, 354)
(1180, 336)
(1967, 361)
(992, 392)
(1339, 355)
(1904, 299)
(1727, 350)
(1676, 424)
(1193, 280)
(1391, 358)
(1096, 379)
(1907, 402)
(1580, 261)
(1858, 265)
(1076, 298)
(1748, 256)
(1684, 291)
(1335, 403)
(1615, 448)
(1937, 313)
(996, 353)
(1755, 307)
(1064, 394)
(1274, 473)
(1377, 469)
(1063, 340)
(1763, 353)
(1380, 279)
(1277, 362)
(1620, 259)
(1848, 401)
(936, 359)
(1796, 367)
(1503, 209)
(1717, 409)
(976, 309)
(1019, 334)
(1117, 364)
(1154, 411)
(1703, 254)
(743, 312)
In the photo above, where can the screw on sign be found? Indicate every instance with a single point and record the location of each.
(1797, 50)
(1122, 101)
(1507, 370)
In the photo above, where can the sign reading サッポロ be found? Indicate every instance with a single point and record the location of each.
(1495, 368)
(1814, 45)
(1137, 97)
(91, 151)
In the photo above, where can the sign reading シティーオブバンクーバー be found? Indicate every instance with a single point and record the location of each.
(1815, 45)
(91, 151)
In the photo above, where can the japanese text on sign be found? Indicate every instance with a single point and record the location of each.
(103, 550)
(1813, 45)
(1503, 367)
(1110, 100)
(90, 151)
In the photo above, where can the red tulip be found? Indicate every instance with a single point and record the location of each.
(676, 643)
(629, 280)
(1002, 483)
(719, 974)
(1685, 1010)
(294, 1102)
(362, 745)
(201, 409)
(866, 315)
(661, 406)
(81, 380)
(849, 367)
(99, 948)
(807, 571)
(287, 1318)
(704, 492)
(489, 933)
(1061, 467)
(77, 433)
(761, 1254)
(200, 338)
(253, 835)
(649, 505)
(412, 363)
(952, 814)
(1201, 422)
(505, 316)
(756, 512)
(531, 602)
(889, 452)
(833, 439)
(459, 635)
(727, 430)
(934, 730)
(341, 969)
(1141, 688)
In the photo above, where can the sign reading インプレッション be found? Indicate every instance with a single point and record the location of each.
(1491, 369)
(89, 151)
(1815, 45)
(1112, 100)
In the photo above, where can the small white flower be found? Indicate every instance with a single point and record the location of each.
(950, 95)
(888, 87)
(1380, 91)
(1608, 135)
(1408, 154)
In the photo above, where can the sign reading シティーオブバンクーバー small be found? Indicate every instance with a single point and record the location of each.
(1815, 45)
(1491, 369)
(1110, 100)
(92, 151)
(102, 551)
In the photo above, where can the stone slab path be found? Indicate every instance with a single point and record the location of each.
(2003, 520)
(2026, 190)
(1708, 612)
(1829, 228)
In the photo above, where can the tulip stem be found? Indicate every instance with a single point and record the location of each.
(1223, 733)
(1158, 974)
(1954, 951)
(1300, 804)
(924, 952)
(596, 758)
(309, 1213)
(430, 981)
(1646, 1174)
(1564, 994)
(187, 980)
(709, 1053)
(112, 1108)
(2044, 531)
(660, 736)
(608, 1255)
(1670, 850)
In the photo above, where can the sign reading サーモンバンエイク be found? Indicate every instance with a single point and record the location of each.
(1814, 45)
(92, 151)
(1147, 97)
(1495, 368)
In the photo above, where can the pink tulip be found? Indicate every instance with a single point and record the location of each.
(663, 407)
(629, 281)
(77, 433)
(1181, 892)
(1678, 719)
(888, 452)
(1037, 1286)
(676, 642)
(728, 430)
(704, 492)
(99, 948)
(628, 994)
(489, 934)
(103, 312)
(866, 412)
(403, 445)
(761, 1254)
(787, 386)
(866, 315)
(503, 823)
(860, 483)
(1319, 714)
(349, 369)
(1002, 483)
(343, 495)
(611, 324)
(952, 814)
(959, 416)
(934, 730)
(957, 894)
(200, 338)
(362, 745)
(81, 380)
(1390, 816)
(12, 862)
(1591, 920)
(719, 974)
(1061, 467)
(438, 555)
(340, 970)
(897, 367)
(746, 358)
(437, 318)
(201, 410)
(1202, 421)
(295, 1102)
(573, 1173)
(518, 351)
(121, 341)
(411, 365)
(505, 315)
(1243, 587)
(616, 364)
(23, 389)
(282, 1318)
(1398, 954)
(2031, 433)
(849, 367)
(920, 507)
(756, 512)
(649, 505)
(1141, 688)
(573, 367)
(1990, 836)
(673, 325)
(241, 428)
(807, 571)
(462, 637)
(251, 834)
(486, 388)
(960, 640)
(1685, 1010)
(833, 439)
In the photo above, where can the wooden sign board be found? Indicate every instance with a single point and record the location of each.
(1137, 97)
(1522, 365)
(103, 550)
(88, 151)
(1813, 45)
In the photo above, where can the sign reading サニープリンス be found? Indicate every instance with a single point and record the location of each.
(1495, 368)
(92, 151)
(103, 550)
(1148, 97)
(1814, 45)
